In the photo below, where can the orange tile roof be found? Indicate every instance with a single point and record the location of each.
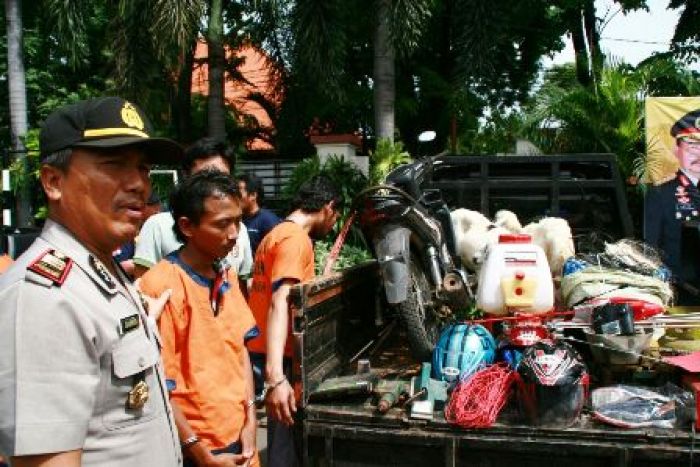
(256, 69)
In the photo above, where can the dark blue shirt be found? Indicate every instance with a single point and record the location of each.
(258, 225)
(125, 252)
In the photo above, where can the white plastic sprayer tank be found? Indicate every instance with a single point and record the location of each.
(515, 277)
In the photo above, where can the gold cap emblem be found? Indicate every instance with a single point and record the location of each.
(131, 117)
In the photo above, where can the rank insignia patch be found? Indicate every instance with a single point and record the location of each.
(53, 265)
(101, 271)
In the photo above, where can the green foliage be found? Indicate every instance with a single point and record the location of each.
(565, 117)
(408, 20)
(604, 118)
(343, 175)
(469, 312)
(236, 133)
(349, 255)
(25, 174)
(386, 157)
(50, 79)
(305, 170)
(497, 135)
(686, 38)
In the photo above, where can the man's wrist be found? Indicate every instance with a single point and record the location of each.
(272, 383)
(251, 416)
(199, 453)
(189, 442)
(270, 386)
(250, 408)
(272, 374)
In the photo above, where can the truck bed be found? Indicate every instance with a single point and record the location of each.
(336, 323)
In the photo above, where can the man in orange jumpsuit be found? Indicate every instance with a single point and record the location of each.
(205, 326)
(5, 262)
(284, 258)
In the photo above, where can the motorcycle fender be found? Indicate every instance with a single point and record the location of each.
(393, 252)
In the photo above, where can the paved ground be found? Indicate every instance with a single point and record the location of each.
(262, 437)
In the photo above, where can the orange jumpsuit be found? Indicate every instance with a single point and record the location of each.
(203, 353)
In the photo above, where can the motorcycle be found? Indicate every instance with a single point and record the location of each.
(411, 234)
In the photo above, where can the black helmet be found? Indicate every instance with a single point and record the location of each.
(552, 383)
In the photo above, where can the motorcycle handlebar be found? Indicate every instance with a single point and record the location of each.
(372, 189)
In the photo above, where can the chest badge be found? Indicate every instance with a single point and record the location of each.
(685, 203)
(102, 272)
(138, 395)
(129, 323)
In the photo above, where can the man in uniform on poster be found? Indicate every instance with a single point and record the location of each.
(675, 204)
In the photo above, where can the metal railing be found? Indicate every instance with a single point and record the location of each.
(275, 175)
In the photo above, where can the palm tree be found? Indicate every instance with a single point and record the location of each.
(215, 34)
(325, 29)
(686, 38)
(607, 116)
(18, 98)
(154, 40)
(584, 26)
(384, 73)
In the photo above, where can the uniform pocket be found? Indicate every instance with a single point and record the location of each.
(133, 355)
(133, 358)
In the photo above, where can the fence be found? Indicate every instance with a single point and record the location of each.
(274, 174)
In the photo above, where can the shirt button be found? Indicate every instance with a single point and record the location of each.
(142, 362)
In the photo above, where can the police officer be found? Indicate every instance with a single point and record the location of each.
(81, 381)
(676, 203)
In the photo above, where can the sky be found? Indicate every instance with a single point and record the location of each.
(632, 37)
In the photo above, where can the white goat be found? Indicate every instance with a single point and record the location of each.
(554, 236)
(474, 233)
(508, 220)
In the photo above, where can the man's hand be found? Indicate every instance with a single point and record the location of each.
(154, 305)
(203, 457)
(281, 403)
(61, 459)
(220, 460)
(248, 435)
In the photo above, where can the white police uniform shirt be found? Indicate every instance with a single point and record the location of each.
(71, 349)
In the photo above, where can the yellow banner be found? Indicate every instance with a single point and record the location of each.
(661, 113)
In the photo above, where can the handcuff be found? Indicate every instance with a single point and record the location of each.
(191, 441)
(268, 387)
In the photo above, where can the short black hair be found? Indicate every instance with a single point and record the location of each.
(253, 184)
(59, 159)
(316, 193)
(188, 198)
(205, 148)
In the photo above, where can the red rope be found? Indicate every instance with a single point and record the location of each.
(477, 401)
(338, 245)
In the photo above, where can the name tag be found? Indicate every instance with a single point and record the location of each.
(129, 323)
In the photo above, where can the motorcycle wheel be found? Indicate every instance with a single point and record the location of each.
(417, 315)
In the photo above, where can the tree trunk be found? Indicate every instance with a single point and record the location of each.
(578, 38)
(215, 39)
(384, 71)
(18, 102)
(182, 103)
(593, 39)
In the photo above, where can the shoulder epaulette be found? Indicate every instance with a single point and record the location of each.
(52, 265)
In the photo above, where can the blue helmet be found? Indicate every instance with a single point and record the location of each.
(461, 350)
